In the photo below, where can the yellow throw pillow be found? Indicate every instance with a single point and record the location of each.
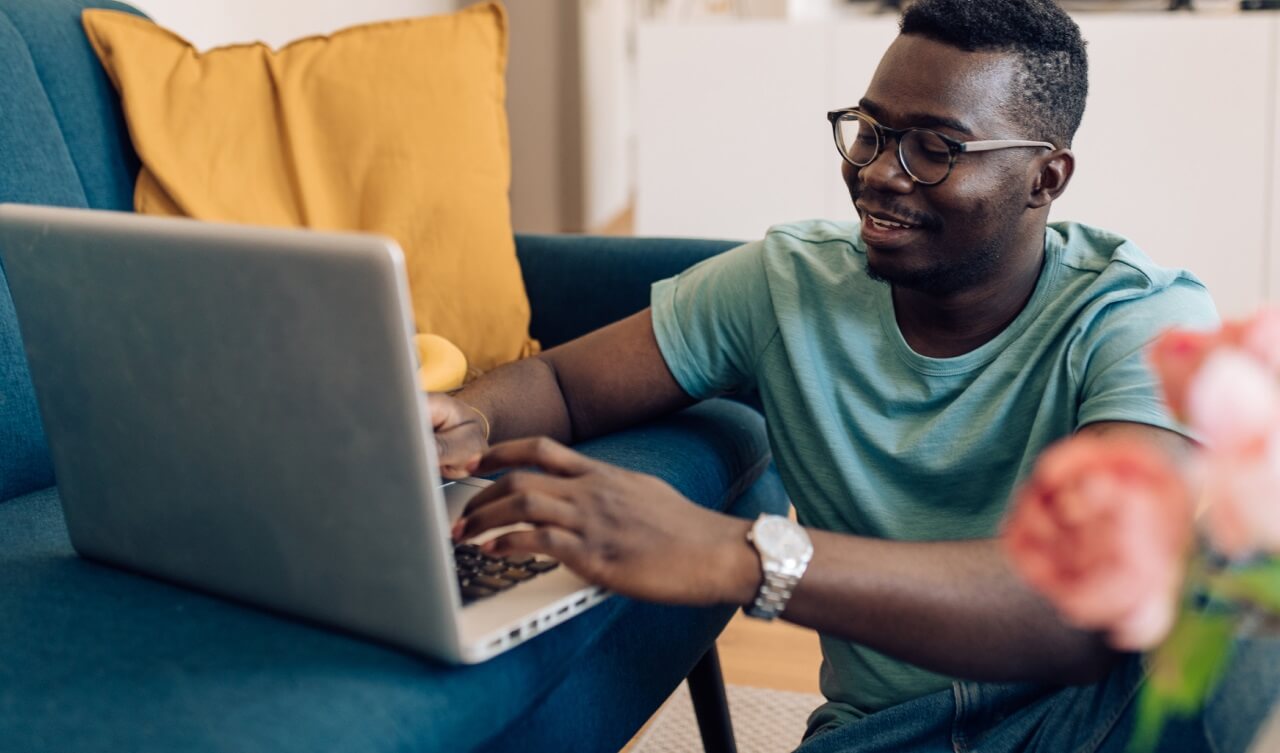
(396, 128)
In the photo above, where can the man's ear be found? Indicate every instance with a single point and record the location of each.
(1055, 170)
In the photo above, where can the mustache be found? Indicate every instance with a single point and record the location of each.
(924, 220)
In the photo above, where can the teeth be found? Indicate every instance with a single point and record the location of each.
(886, 223)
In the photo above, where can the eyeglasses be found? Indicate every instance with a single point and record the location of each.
(927, 156)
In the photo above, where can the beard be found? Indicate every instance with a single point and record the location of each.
(942, 278)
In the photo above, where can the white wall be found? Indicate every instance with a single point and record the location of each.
(1155, 90)
(210, 23)
(569, 100)
(544, 112)
(1273, 188)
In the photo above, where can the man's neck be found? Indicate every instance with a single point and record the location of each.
(954, 324)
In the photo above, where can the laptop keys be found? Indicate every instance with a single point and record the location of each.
(481, 575)
(492, 581)
(471, 593)
(517, 574)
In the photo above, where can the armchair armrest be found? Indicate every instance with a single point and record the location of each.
(577, 284)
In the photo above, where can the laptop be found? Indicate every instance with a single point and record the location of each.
(236, 409)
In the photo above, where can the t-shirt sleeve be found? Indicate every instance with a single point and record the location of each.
(1116, 377)
(713, 321)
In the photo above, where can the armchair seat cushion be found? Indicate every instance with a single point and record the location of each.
(95, 658)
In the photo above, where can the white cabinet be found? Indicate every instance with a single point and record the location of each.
(1178, 150)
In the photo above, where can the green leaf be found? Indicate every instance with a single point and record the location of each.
(1153, 713)
(1257, 584)
(1184, 671)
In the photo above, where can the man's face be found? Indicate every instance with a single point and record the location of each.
(960, 230)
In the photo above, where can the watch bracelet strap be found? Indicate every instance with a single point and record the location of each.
(775, 592)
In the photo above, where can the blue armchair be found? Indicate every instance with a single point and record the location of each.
(95, 659)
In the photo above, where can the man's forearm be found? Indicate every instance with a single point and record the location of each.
(521, 399)
(951, 607)
(599, 383)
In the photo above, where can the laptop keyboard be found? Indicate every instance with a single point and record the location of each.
(480, 575)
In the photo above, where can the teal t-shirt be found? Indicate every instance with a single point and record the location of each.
(874, 439)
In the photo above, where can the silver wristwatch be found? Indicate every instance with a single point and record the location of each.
(785, 551)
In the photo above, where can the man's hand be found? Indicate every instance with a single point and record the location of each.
(628, 532)
(459, 434)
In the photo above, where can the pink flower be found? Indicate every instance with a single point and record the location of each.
(1176, 356)
(1261, 338)
(1233, 402)
(1242, 494)
(1101, 529)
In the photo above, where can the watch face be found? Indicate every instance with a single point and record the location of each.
(782, 539)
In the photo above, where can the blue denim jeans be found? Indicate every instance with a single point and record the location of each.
(1030, 718)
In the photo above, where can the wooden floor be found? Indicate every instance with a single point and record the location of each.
(775, 655)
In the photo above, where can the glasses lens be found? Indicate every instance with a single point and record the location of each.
(925, 155)
(858, 139)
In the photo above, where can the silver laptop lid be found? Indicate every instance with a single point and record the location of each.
(236, 409)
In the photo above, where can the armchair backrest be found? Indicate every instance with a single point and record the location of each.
(62, 142)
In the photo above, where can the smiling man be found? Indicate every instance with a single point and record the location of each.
(912, 366)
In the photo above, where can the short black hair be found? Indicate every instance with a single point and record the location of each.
(1050, 89)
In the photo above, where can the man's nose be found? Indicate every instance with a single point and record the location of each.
(885, 173)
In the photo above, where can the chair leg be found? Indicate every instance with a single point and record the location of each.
(706, 688)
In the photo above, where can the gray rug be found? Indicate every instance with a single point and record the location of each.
(764, 721)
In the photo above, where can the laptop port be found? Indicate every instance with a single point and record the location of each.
(514, 634)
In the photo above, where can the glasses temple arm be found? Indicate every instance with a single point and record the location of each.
(987, 146)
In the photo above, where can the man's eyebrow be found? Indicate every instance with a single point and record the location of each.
(917, 119)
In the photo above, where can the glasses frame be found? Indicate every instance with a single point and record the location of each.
(883, 132)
